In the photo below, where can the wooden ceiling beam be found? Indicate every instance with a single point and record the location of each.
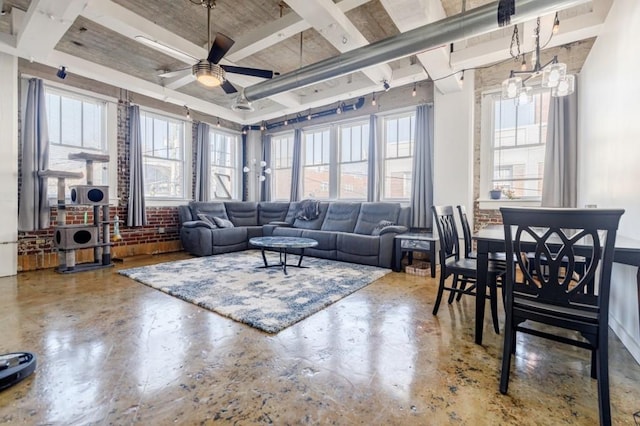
(327, 18)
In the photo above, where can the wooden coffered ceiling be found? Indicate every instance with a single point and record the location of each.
(96, 39)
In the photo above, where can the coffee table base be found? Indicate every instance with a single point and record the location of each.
(283, 260)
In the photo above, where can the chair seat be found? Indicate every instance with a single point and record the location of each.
(501, 257)
(468, 267)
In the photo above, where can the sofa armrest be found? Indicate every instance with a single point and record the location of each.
(280, 223)
(397, 229)
(198, 224)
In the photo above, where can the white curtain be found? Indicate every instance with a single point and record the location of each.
(422, 176)
(560, 180)
(137, 216)
(203, 163)
(34, 207)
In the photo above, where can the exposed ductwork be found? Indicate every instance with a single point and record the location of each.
(454, 28)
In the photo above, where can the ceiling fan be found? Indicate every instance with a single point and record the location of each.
(209, 72)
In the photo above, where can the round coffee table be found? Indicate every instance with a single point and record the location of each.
(282, 244)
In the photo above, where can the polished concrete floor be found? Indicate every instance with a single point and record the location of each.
(113, 351)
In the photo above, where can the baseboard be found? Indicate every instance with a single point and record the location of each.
(632, 345)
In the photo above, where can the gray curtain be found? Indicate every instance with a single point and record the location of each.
(137, 216)
(265, 190)
(203, 163)
(34, 206)
(296, 165)
(373, 189)
(560, 180)
(422, 177)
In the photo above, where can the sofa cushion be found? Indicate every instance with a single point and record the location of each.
(208, 219)
(341, 217)
(361, 245)
(291, 213)
(229, 236)
(272, 212)
(315, 223)
(210, 208)
(372, 213)
(242, 213)
(223, 223)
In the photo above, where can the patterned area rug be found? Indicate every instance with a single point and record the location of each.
(233, 285)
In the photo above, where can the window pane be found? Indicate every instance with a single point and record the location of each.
(282, 158)
(398, 164)
(225, 167)
(160, 138)
(71, 121)
(75, 124)
(353, 181)
(397, 178)
(315, 182)
(163, 178)
(175, 141)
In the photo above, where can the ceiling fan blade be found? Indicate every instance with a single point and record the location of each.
(220, 47)
(254, 72)
(228, 87)
(176, 73)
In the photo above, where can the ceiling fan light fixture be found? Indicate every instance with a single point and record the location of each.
(208, 74)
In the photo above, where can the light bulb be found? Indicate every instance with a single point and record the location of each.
(262, 178)
(246, 169)
(267, 171)
(286, 121)
(414, 92)
(263, 163)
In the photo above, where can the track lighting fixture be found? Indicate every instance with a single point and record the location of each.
(414, 92)
(244, 131)
(373, 99)
(556, 24)
(188, 113)
(262, 126)
(62, 73)
(339, 109)
(218, 123)
(386, 86)
(286, 122)
(309, 115)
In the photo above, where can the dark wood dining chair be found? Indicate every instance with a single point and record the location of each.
(463, 269)
(555, 294)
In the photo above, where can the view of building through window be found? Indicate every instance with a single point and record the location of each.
(398, 134)
(76, 124)
(353, 167)
(225, 182)
(163, 155)
(518, 146)
(282, 157)
(316, 164)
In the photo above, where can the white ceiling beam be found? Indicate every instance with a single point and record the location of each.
(44, 24)
(327, 18)
(275, 31)
(572, 29)
(410, 14)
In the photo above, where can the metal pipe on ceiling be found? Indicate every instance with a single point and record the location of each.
(471, 23)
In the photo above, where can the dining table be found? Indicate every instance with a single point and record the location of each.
(491, 240)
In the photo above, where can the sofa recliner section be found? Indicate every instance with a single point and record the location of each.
(345, 231)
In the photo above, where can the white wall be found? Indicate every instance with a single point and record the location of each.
(609, 151)
(453, 146)
(9, 169)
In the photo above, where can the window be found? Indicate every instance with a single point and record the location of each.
(316, 164)
(353, 167)
(163, 145)
(225, 182)
(515, 144)
(282, 159)
(398, 139)
(76, 123)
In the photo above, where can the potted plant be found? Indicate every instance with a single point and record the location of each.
(495, 193)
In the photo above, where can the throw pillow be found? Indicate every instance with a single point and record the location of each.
(223, 223)
(208, 219)
(308, 210)
(381, 225)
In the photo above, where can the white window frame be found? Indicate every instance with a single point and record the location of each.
(235, 168)
(187, 163)
(110, 131)
(274, 167)
(487, 157)
(382, 158)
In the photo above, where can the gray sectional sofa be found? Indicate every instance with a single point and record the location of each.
(351, 232)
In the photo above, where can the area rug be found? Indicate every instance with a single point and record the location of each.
(233, 285)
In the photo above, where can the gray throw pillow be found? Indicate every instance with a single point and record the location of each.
(308, 210)
(223, 223)
(208, 219)
(381, 225)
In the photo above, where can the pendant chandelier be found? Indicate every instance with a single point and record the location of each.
(552, 75)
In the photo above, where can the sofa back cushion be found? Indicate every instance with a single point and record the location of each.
(272, 212)
(314, 223)
(242, 213)
(372, 213)
(291, 213)
(341, 217)
(209, 208)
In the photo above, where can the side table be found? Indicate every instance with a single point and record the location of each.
(414, 241)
